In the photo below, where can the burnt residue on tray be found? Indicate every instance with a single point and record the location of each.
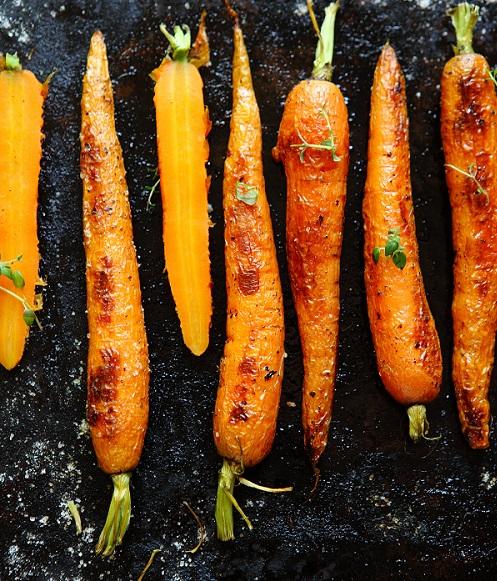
(385, 509)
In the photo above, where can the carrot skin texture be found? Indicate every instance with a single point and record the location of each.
(316, 192)
(182, 126)
(403, 330)
(118, 372)
(469, 135)
(21, 123)
(252, 367)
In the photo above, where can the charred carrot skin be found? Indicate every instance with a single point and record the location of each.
(252, 367)
(251, 372)
(316, 191)
(469, 134)
(118, 372)
(404, 334)
(182, 127)
(21, 122)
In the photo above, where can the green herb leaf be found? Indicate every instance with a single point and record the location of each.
(29, 317)
(17, 279)
(399, 259)
(5, 270)
(391, 246)
(246, 193)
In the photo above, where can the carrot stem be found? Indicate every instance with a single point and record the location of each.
(225, 502)
(418, 423)
(180, 42)
(12, 62)
(323, 60)
(118, 516)
(464, 18)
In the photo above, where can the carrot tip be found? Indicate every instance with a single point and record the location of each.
(118, 516)
(418, 423)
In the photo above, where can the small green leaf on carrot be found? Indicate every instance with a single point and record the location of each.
(29, 316)
(246, 193)
(393, 248)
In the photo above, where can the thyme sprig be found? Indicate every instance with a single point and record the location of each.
(393, 248)
(492, 73)
(471, 174)
(17, 278)
(327, 144)
(151, 189)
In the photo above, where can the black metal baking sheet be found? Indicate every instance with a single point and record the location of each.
(384, 509)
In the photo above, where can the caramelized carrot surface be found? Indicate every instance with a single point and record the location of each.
(404, 334)
(21, 122)
(469, 134)
(118, 372)
(252, 366)
(315, 113)
(182, 127)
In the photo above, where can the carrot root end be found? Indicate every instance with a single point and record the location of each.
(118, 516)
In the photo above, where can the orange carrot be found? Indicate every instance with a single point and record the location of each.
(21, 122)
(182, 127)
(469, 135)
(404, 334)
(313, 144)
(252, 367)
(118, 373)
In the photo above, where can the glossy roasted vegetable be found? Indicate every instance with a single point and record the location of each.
(469, 135)
(404, 334)
(313, 144)
(118, 372)
(21, 123)
(182, 127)
(252, 367)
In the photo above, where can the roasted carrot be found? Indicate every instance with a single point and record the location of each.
(313, 144)
(469, 135)
(252, 366)
(21, 123)
(118, 372)
(182, 128)
(404, 334)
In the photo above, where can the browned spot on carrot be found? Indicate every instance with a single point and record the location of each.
(103, 290)
(244, 244)
(248, 280)
(472, 114)
(90, 157)
(239, 413)
(92, 415)
(102, 381)
(248, 367)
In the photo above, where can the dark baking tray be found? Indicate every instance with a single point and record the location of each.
(384, 509)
